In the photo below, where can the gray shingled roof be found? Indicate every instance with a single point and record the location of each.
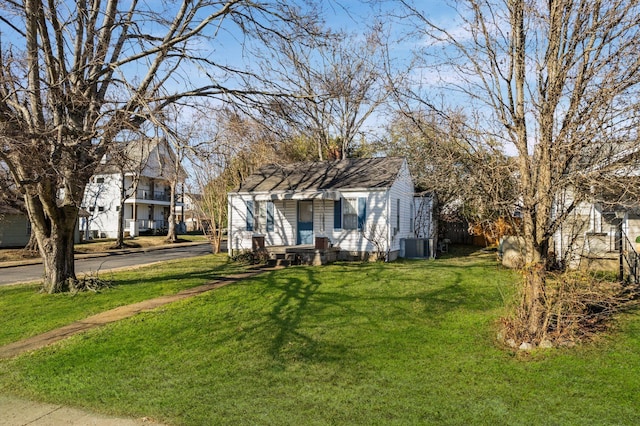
(352, 173)
(14, 207)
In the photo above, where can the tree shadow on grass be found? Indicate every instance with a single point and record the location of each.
(147, 275)
(298, 299)
(311, 295)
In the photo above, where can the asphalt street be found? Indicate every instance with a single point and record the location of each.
(31, 273)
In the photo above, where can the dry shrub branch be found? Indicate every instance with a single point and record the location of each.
(577, 306)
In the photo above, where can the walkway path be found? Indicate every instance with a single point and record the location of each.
(15, 411)
(42, 340)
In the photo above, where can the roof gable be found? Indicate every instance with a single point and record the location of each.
(151, 157)
(352, 173)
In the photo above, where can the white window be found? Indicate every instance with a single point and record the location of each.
(350, 213)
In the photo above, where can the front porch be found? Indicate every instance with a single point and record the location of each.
(303, 254)
(136, 227)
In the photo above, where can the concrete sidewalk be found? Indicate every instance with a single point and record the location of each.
(21, 412)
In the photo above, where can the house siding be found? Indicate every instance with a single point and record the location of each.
(425, 225)
(375, 225)
(151, 197)
(587, 232)
(14, 231)
(402, 189)
(101, 200)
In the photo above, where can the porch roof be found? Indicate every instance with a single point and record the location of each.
(302, 195)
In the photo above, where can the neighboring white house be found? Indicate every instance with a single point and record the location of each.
(144, 169)
(191, 212)
(594, 232)
(362, 206)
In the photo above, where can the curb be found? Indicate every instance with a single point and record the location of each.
(37, 261)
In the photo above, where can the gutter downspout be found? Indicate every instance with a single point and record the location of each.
(229, 226)
(388, 248)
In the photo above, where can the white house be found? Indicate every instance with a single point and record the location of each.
(191, 212)
(143, 170)
(362, 207)
(597, 231)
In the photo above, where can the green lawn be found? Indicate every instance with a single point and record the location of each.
(403, 343)
(25, 312)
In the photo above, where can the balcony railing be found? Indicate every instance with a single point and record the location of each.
(156, 227)
(148, 224)
(144, 194)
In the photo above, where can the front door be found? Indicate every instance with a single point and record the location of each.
(305, 222)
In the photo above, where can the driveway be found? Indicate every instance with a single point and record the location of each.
(107, 261)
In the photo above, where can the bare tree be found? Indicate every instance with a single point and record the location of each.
(227, 150)
(557, 83)
(179, 134)
(74, 74)
(336, 85)
(472, 182)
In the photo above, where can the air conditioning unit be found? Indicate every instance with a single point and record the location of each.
(418, 248)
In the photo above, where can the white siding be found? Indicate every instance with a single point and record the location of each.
(425, 225)
(402, 189)
(284, 218)
(375, 226)
(239, 237)
(101, 200)
(585, 230)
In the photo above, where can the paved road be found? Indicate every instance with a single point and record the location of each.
(32, 273)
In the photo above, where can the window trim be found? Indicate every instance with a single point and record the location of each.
(359, 207)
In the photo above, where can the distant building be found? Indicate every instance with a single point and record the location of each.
(15, 228)
(143, 169)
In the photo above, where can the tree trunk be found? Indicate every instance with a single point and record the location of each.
(32, 245)
(172, 236)
(534, 286)
(215, 241)
(56, 244)
(532, 309)
(123, 196)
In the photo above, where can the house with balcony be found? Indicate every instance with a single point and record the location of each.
(135, 178)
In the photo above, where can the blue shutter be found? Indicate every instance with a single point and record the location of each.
(269, 216)
(337, 214)
(362, 212)
(250, 215)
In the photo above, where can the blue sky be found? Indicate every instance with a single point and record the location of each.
(351, 15)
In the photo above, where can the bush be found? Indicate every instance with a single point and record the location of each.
(578, 305)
